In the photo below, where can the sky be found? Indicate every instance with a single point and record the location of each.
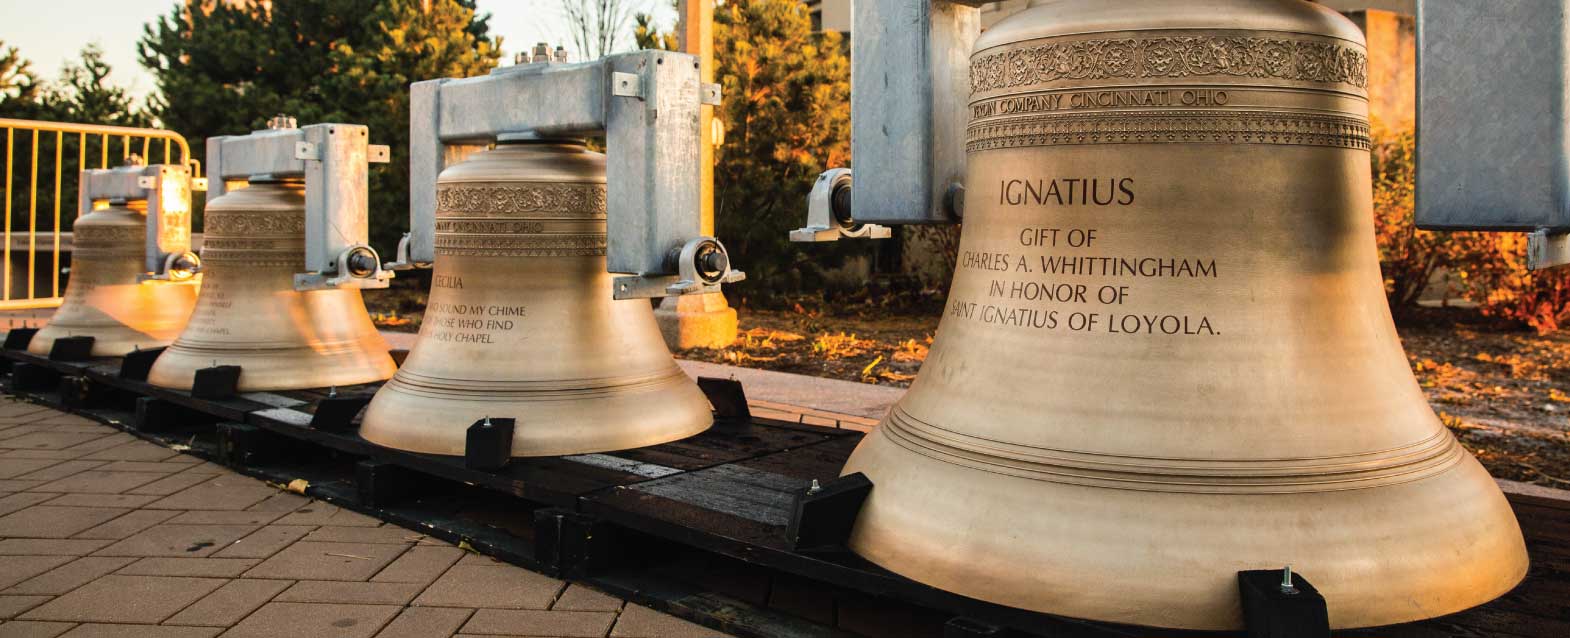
(51, 33)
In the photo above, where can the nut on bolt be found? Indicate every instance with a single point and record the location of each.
(362, 262)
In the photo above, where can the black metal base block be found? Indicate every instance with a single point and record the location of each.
(822, 517)
(488, 445)
(137, 364)
(217, 382)
(381, 484)
(240, 444)
(336, 414)
(19, 338)
(727, 397)
(29, 377)
(963, 627)
(158, 415)
(569, 544)
(1273, 610)
(77, 393)
(71, 349)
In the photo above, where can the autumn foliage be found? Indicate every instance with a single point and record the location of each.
(1488, 269)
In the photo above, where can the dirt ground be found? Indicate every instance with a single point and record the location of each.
(1504, 392)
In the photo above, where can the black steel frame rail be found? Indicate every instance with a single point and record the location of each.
(689, 527)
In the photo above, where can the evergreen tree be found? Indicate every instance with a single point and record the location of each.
(227, 68)
(19, 86)
(85, 96)
(82, 95)
(648, 35)
(786, 113)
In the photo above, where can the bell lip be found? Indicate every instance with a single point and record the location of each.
(666, 390)
(1063, 18)
(890, 551)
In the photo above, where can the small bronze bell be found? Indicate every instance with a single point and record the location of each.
(521, 320)
(1167, 355)
(109, 296)
(250, 315)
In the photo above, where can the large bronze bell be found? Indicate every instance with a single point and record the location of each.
(522, 323)
(250, 315)
(107, 298)
(1166, 355)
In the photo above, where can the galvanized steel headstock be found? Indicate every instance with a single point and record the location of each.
(646, 104)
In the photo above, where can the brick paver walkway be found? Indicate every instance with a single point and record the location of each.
(105, 535)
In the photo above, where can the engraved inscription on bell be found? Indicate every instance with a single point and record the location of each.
(105, 298)
(1167, 355)
(521, 322)
(249, 314)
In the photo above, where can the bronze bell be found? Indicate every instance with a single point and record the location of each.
(521, 320)
(1166, 355)
(250, 315)
(108, 297)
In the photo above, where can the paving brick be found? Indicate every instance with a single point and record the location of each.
(282, 502)
(49, 546)
(172, 483)
(314, 620)
(319, 513)
(11, 407)
(48, 521)
(223, 492)
(426, 622)
(62, 469)
(12, 468)
(474, 558)
(567, 624)
(102, 443)
(128, 524)
(63, 418)
(581, 598)
(178, 540)
(100, 500)
(48, 440)
(225, 517)
(179, 566)
(59, 455)
(164, 467)
(421, 564)
(264, 542)
(230, 603)
(95, 482)
(385, 534)
(10, 606)
(95, 445)
(637, 621)
(494, 586)
(13, 430)
(134, 450)
(20, 568)
(94, 630)
(69, 576)
(133, 599)
(307, 560)
(198, 466)
(329, 591)
(15, 502)
(33, 629)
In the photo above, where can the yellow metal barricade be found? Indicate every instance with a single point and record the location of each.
(74, 147)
